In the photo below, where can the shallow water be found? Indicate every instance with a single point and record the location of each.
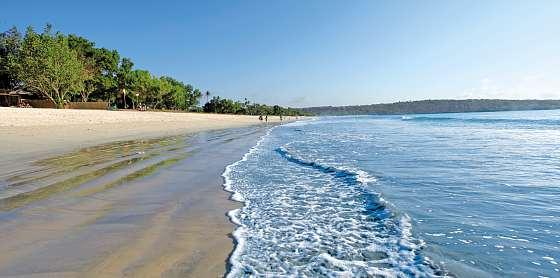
(142, 208)
(94, 169)
(466, 195)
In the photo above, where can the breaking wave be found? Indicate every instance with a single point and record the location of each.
(304, 218)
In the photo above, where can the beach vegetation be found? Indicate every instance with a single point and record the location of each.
(101, 67)
(436, 106)
(10, 43)
(46, 64)
(224, 105)
(70, 68)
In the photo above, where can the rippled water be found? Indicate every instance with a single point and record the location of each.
(466, 195)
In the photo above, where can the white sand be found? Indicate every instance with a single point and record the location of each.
(31, 117)
(30, 132)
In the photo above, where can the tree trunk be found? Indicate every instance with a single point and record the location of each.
(58, 99)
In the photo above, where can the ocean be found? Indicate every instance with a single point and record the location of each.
(438, 195)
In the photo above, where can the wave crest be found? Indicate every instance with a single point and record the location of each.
(353, 175)
(305, 218)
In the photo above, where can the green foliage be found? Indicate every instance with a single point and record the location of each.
(125, 78)
(106, 79)
(64, 68)
(47, 65)
(10, 43)
(101, 68)
(222, 105)
(86, 53)
(228, 106)
(161, 91)
(182, 96)
(436, 106)
(140, 83)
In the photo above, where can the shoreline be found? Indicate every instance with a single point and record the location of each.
(152, 206)
(40, 132)
(171, 222)
(231, 214)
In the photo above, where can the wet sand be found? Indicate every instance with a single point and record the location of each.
(137, 208)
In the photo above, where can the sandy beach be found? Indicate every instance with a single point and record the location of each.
(112, 194)
(41, 131)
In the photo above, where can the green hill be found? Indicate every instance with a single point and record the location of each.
(436, 106)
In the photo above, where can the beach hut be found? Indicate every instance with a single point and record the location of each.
(22, 98)
(14, 98)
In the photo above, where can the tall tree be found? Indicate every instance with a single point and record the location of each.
(86, 53)
(107, 81)
(101, 67)
(141, 84)
(10, 43)
(45, 64)
(207, 95)
(197, 94)
(179, 95)
(192, 96)
(160, 91)
(124, 78)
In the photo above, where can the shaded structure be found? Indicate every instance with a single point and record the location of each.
(15, 98)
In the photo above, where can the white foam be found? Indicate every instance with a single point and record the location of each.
(514, 239)
(436, 234)
(303, 122)
(240, 231)
(227, 171)
(362, 177)
(289, 221)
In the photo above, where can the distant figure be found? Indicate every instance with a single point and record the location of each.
(266, 118)
(260, 118)
(280, 117)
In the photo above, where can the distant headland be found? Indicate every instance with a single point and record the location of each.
(435, 106)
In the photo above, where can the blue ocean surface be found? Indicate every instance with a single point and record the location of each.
(442, 195)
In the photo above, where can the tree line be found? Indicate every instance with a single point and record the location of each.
(224, 105)
(436, 106)
(65, 68)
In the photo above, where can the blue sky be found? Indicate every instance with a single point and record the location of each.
(307, 53)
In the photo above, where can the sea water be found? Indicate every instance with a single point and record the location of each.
(458, 195)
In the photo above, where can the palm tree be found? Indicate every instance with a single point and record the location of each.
(207, 94)
(124, 77)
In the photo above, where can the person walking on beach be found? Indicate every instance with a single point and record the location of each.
(266, 118)
(260, 118)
